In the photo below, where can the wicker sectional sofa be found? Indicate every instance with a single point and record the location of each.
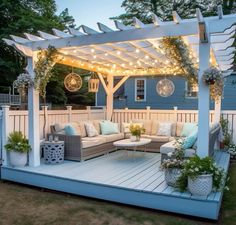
(81, 147)
(166, 144)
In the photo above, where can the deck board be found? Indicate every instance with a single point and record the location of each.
(135, 180)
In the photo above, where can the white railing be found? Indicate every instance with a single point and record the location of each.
(127, 115)
(18, 120)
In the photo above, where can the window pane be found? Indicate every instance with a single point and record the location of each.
(140, 90)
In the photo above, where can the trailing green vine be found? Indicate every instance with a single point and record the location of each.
(179, 57)
(43, 72)
(43, 69)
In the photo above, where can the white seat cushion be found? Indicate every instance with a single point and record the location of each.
(170, 147)
(112, 137)
(156, 138)
(88, 142)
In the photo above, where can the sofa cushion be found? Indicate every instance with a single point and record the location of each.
(190, 140)
(164, 129)
(156, 138)
(88, 142)
(90, 129)
(147, 125)
(188, 128)
(70, 130)
(155, 127)
(96, 124)
(170, 147)
(179, 128)
(82, 128)
(60, 127)
(112, 137)
(108, 127)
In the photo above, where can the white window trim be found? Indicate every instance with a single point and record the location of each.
(186, 89)
(135, 89)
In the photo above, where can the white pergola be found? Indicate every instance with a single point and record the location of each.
(134, 51)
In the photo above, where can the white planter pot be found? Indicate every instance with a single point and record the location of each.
(202, 185)
(18, 159)
(172, 175)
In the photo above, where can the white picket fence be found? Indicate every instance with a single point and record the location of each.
(18, 120)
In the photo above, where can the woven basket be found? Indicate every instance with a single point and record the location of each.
(201, 185)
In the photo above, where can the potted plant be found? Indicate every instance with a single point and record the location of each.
(212, 75)
(226, 135)
(200, 176)
(232, 151)
(136, 131)
(174, 164)
(18, 146)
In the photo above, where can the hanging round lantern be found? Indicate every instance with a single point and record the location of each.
(73, 82)
(93, 83)
(165, 87)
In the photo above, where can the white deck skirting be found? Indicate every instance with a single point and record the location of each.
(126, 177)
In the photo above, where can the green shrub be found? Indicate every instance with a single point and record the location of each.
(17, 142)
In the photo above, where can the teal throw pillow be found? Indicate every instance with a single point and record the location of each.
(108, 127)
(188, 129)
(69, 130)
(190, 140)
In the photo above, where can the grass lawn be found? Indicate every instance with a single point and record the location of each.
(23, 205)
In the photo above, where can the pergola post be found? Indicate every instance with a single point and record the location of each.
(203, 101)
(109, 102)
(217, 110)
(33, 118)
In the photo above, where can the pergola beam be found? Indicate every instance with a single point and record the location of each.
(118, 85)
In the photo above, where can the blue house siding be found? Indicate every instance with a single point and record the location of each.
(157, 102)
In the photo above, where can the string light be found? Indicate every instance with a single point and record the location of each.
(92, 50)
(137, 50)
(146, 57)
(118, 52)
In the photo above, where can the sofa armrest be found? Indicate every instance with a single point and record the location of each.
(73, 145)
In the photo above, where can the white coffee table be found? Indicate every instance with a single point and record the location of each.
(127, 143)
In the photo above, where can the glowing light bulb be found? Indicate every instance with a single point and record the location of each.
(106, 54)
(137, 50)
(118, 52)
(94, 56)
(146, 57)
(92, 50)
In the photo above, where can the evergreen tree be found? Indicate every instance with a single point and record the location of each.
(163, 9)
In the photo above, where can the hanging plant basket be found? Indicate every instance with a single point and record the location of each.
(93, 83)
(211, 76)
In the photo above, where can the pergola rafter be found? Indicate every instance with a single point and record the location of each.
(135, 51)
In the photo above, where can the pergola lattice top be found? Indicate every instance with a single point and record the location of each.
(135, 50)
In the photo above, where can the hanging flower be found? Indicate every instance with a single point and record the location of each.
(24, 81)
(212, 75)
(215, 79)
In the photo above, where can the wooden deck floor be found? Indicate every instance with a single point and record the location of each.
(135, 179)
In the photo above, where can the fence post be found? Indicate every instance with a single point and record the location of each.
(175, 113)
(69, 110)
(5, 132)
(148, 112)
(88, 108)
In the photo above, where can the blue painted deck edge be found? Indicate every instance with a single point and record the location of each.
(137, 198)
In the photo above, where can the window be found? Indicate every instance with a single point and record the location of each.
(191, 91)
(140, 89)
